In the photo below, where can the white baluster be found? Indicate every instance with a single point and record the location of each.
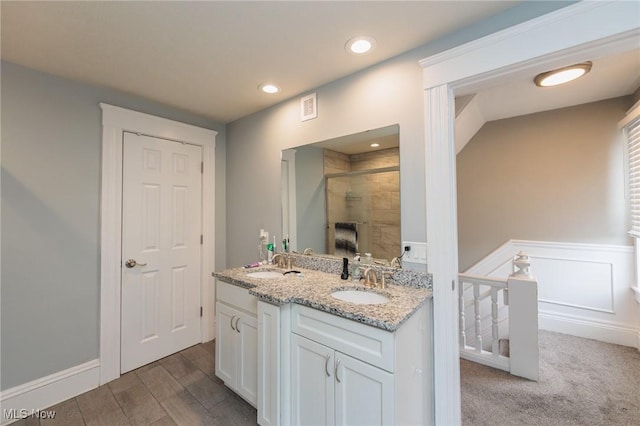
(463, 334)
(476, 306)
(494, 322)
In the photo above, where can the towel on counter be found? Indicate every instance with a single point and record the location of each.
(346, 239)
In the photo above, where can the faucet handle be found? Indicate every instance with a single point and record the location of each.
(384, 274)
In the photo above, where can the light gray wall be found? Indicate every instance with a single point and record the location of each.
(550, 176)
(381, 95)
(311, 206)
(51, 159)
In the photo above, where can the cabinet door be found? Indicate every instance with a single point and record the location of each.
(312, 390)
(364, 393)
(270, 387)
(247, 383)
(226, 346)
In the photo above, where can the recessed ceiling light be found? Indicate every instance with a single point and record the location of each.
(360, 45)
(374, 145)
(562, 75)
(269, 88)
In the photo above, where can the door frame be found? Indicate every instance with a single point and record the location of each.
(571, 34)
(115, 121)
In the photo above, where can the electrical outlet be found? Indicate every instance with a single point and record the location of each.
(264, 237)
(415, 252)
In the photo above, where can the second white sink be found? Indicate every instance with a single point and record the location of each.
(360, 297)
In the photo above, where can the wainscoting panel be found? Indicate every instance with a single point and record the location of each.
(583, 289)
(576, 283)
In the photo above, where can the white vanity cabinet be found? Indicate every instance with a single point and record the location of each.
(323, 369)
(237, 340)
(329, 387)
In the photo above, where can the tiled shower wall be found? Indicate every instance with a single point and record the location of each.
(372, 198)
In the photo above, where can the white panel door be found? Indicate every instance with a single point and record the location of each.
(364, 393)
(312, 389)
(161, 229)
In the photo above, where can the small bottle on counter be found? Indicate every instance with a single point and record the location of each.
(356, 268)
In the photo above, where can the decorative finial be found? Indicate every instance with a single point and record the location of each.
(522, 264)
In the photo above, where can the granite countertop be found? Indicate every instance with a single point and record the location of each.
(313, 288)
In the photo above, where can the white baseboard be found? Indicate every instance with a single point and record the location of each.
(500, 362)
(50, 390)
(590, 329)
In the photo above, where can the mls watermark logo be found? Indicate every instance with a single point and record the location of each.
(23, 413)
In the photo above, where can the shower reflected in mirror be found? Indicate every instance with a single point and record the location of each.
(342, 196)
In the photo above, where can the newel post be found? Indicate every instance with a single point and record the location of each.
(523, 319)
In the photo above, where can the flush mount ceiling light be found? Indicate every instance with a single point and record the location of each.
(360, 45)
(562, 75)
(374, 145)
(269, 88)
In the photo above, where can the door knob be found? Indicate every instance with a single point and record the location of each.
(132, 262)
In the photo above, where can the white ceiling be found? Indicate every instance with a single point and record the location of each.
(386, 137)
(610, 76)
(209, 57)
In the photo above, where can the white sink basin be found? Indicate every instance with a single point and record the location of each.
(265, 274)
(360, 297)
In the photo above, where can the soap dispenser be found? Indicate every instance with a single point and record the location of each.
(345, 268)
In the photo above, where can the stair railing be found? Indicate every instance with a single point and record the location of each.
(520, 293)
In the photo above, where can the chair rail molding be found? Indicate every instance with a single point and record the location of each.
(115, 121)
(578, 31)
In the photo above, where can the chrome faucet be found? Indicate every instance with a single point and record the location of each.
(368, 272)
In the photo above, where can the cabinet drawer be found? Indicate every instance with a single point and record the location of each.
(360, 341)
(236, 296)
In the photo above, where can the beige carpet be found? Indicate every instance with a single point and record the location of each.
(582, 382)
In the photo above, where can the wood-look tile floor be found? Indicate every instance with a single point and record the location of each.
(180, 389)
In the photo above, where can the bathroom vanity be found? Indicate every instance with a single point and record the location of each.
(302, 356)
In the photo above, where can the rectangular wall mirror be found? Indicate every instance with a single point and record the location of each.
(342, 196)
